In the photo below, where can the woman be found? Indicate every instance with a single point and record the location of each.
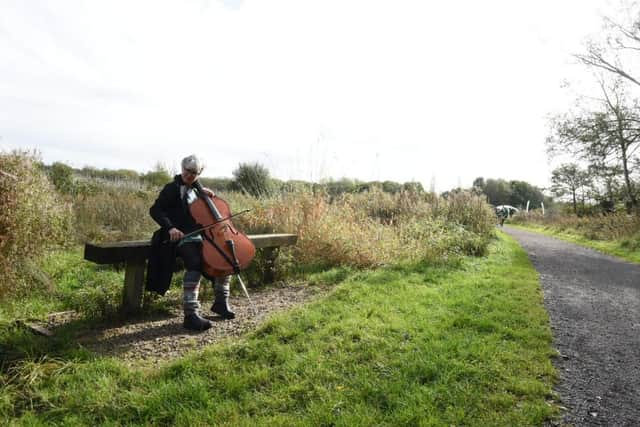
(171, 212)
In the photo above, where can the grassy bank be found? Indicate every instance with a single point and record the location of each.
(465, 344)
(625, 248)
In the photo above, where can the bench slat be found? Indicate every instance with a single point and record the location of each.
(138, 250)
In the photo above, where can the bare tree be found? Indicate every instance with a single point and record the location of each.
(608, 137)
(623, 139)
(619, 48)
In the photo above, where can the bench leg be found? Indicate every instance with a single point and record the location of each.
(133, 287)
(269, 272)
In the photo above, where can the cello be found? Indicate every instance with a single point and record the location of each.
(225, 249)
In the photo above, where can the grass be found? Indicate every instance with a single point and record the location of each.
(416, 344)
(626, 249)
(67, 282)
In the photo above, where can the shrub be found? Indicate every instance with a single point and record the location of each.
(253, 179)
(469, 210)
(62, 177)
(33, 216)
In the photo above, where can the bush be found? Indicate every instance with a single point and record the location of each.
(62, 177)
(469, 210)
(33, 217)
(253, 179)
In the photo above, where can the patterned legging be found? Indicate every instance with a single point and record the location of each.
(191, 255)
(191, 288)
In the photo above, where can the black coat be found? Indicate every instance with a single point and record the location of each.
(162, 262)
(169, 210)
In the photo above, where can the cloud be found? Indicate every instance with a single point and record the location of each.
(363, 89)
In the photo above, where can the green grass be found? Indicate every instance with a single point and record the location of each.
(65, 281)
(625, 249)
(468, 344)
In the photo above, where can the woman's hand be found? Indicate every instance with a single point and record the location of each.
(175, 234)
(208, 192)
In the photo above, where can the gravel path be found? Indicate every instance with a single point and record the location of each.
(593, 301)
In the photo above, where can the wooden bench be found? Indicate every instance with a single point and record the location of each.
(135, 254)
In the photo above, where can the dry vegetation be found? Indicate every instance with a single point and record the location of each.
(621, 227)
(33, 217)
(364, 229)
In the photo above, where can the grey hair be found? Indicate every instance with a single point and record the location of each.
(193, 162)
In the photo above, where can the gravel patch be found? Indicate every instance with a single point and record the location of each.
(155, 340)
(593, 302)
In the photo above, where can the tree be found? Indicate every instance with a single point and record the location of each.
(625, 139)
(569, 179)
(523, 192)
(617, 49)
(501, 192)
(606, 185)
(498, 191)
(609, 136)
(253, 179)
(479, 183)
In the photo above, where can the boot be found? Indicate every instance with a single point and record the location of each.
(190, 303)
(221, 304)
(194, 322)
(221, 307)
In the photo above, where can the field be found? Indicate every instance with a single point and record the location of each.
(411, 344)
(428, 317)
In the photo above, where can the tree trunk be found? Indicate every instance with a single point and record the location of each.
(627, 180)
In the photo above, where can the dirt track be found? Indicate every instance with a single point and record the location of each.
(593, 301)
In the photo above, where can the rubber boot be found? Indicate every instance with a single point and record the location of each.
(221, 304)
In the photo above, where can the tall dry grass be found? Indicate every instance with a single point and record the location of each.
(115, 213)
(374, 228)
(360, 230)
(33, 217)
(619, 226)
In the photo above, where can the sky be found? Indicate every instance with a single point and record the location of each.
(439, 92)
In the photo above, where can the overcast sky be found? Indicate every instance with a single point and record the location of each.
(433, 91)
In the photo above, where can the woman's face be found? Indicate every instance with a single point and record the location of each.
(189, 176)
